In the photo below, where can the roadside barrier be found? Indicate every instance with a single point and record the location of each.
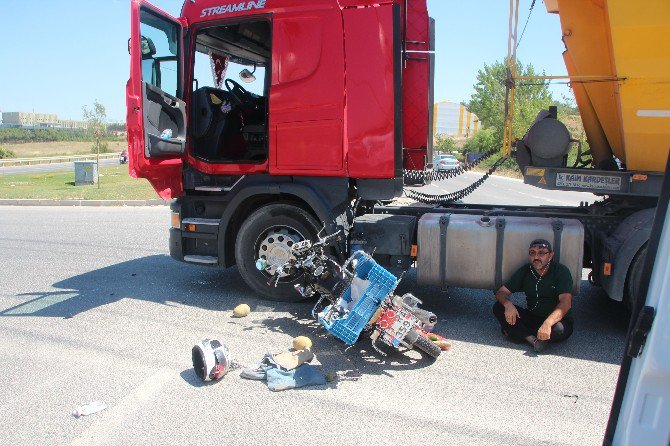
(53, 159)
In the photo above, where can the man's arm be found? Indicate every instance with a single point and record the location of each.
(564, 305)
(511, 313)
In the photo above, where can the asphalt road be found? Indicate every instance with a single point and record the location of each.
(53, 167)
(92, 308)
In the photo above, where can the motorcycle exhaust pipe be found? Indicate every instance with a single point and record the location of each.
(425, 316)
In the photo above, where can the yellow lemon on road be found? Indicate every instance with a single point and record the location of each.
(302, 342)
(241, 310)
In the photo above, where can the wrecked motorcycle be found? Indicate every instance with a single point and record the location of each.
(356, 296)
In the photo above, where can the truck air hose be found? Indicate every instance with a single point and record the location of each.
(421, 175)
(453, 196)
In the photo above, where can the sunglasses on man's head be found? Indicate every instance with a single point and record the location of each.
(534, 253)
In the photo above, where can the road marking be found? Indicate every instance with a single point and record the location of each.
(114, 419)
(39, 303)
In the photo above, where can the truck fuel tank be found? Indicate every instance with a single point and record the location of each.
(478, 251)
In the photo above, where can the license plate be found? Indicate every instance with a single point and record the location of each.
(395, 323)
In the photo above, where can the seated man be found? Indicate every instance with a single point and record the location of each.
(548, 289)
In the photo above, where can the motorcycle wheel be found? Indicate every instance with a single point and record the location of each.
(427, 346)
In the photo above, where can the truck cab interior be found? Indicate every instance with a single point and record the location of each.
(229, 93)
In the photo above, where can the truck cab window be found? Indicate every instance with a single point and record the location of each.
(229, 93)
(159, 53)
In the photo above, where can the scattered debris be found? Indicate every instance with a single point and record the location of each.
(241, 310)
(442, 342)
(292, 360)
(286, 371)
(302, 342)
(89, 408)
(211, 359)
(576, 397)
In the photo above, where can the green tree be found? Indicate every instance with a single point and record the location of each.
(484, 140)
(488, 100)
(96, 124)
(444, 144)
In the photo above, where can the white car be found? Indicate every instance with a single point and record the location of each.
(443, 163)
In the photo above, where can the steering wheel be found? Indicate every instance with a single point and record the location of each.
(242, 96)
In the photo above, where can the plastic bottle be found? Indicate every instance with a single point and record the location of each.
(89, 408)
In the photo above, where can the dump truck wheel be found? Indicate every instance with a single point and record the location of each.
(268, 234)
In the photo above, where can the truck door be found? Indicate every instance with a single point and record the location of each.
(156, 114)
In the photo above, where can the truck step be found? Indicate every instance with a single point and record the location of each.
(201, 221)
(205, 260)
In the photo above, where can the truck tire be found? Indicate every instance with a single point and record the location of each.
(269, 233)
(633, 281)
(427, 346)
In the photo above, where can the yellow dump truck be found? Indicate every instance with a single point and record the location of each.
(618, 59)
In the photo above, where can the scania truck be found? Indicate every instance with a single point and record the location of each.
(269, 121)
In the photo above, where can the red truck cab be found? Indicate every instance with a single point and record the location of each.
(270, 120)
(336, 88)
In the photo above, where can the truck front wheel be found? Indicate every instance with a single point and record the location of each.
(268, 234)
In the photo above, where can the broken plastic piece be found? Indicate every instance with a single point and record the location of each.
(292, 360)
(89, 408)
(167, 134)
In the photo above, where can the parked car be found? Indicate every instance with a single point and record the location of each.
(445, 162)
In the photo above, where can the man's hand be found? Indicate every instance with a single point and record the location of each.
(511, 313)
(544, 332)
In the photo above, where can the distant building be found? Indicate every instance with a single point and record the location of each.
(452, 119)
(37, 120)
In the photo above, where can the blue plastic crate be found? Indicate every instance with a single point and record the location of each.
(382, 282)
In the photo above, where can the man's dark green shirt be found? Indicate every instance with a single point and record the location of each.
(542, 292)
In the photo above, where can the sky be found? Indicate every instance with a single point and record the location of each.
(58, 56)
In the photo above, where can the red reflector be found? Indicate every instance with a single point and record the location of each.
(190, 228)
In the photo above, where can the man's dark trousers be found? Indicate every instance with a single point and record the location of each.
(527, 324)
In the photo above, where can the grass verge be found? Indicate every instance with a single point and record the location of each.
(37, 149)
(115, 184)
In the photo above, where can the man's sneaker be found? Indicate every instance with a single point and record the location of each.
(539, 345)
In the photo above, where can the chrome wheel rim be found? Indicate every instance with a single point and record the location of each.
(274, 247)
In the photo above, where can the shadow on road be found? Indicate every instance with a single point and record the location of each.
(156, 279)
(463, 314)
